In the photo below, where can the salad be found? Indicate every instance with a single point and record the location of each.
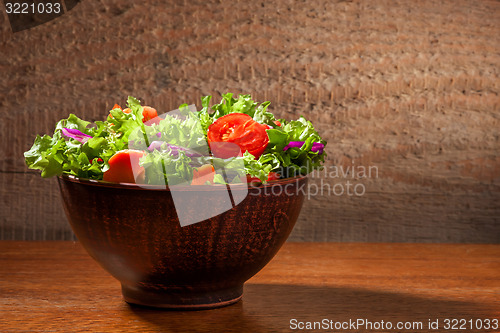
(135, 145)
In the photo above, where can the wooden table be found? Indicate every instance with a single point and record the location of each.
(57, 287)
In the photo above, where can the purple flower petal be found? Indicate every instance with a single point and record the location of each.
(155, 145)
(316, 147)
(294, 144)
(76, 134)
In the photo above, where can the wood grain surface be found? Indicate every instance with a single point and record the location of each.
(409, 88)
(56, 287)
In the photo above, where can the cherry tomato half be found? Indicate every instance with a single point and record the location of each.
(150, 115)
(239, 129)
(203, 174)
(123, 166)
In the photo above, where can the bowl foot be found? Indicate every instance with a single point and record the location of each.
(182, 300)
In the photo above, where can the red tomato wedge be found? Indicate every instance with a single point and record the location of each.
(122, 166)
(203, 174)
(238, 129)
(273, 176)
(149, 114)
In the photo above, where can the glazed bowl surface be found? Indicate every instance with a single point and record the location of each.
(135, 234)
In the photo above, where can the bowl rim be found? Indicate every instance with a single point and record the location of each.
(148, 187)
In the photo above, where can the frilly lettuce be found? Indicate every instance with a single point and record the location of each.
(166, 169)
(82, 149)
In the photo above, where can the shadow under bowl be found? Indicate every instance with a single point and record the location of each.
(135, 234)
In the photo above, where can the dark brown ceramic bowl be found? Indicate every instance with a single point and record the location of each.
(134, 233)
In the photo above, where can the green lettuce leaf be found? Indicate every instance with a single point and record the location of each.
(263, 116)
(258, 168)
(47, 155)
(204, 115)
(163, 168)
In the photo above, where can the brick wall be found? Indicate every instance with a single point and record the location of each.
(408, 88)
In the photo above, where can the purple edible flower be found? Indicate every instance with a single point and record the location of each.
(155, 145)
(174, 150)
(76, 134)
(316, 147)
